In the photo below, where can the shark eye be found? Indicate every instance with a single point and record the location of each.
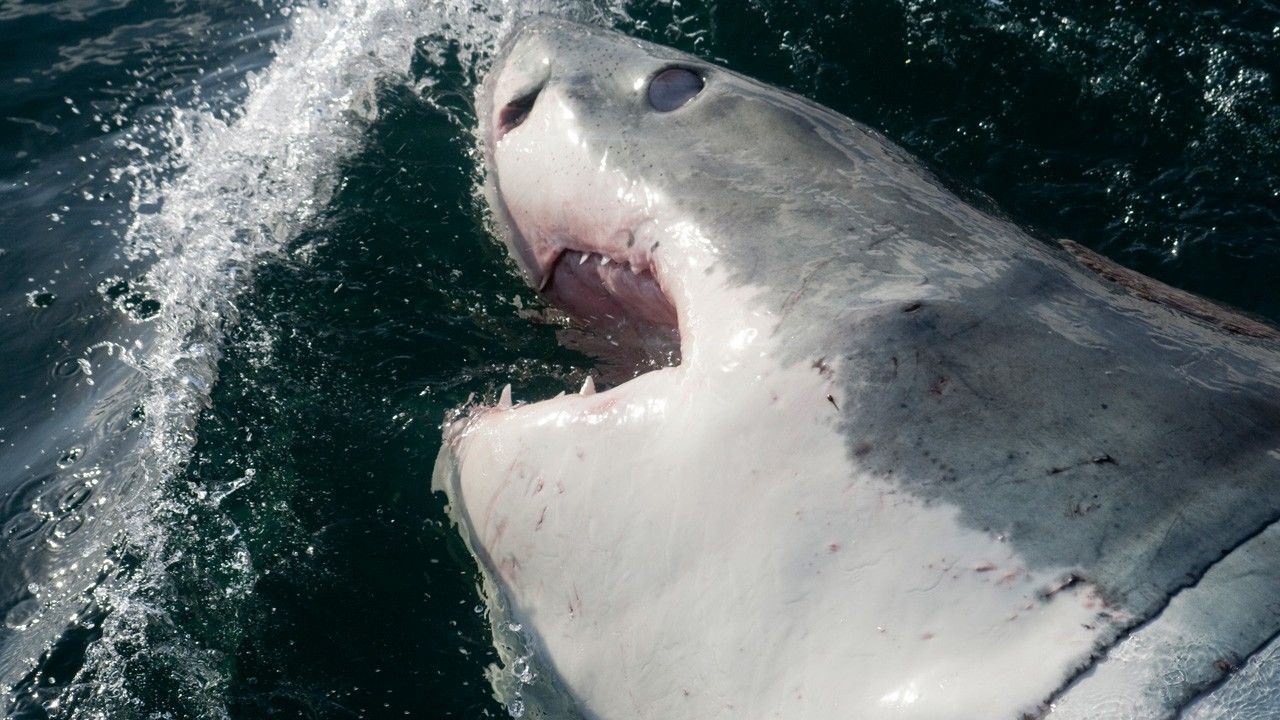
(516, 111)
(672, 88)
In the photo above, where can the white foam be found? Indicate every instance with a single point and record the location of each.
(233, 189)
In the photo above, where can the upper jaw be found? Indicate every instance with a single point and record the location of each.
(545, 253)
(578, 223)
(559, 202)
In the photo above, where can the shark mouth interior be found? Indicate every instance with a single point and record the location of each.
(598, 288)
(621, 315)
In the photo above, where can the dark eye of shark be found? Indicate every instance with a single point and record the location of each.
(673, 87)
(516, 111)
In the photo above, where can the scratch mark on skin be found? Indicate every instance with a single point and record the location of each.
(939, 386)
(831, 399)
(541, 516)
(804, 282)
(823, 367)
(1103, 459)
(1157, 292)
(1069, 581)
(493, 500)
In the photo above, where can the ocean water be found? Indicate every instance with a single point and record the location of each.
(244, 272)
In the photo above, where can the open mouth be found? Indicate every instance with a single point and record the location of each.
(618, 312)
(600, 289)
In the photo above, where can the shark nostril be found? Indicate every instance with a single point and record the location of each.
(516, 111)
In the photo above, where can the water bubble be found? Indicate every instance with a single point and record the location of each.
(22, 526)
(22, 613)
(74, 497)
(70, 457)
(27, 495)
(66, 368)
(40, 298)
(522, 670)
(67, 526)
(138, 304)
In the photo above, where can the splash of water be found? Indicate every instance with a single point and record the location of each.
(230, 189)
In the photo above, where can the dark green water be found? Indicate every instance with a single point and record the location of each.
(234, 518)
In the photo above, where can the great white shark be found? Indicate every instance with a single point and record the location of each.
(912, 463)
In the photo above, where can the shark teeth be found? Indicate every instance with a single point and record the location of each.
(505, 402)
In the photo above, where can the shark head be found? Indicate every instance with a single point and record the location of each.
(630, 184)
(703, 537)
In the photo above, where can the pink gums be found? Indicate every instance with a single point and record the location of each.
(594, 287)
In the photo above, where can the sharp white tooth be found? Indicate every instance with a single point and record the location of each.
(582, 258)
(504, 401)
(603, 261)
(560, 394)
(588, 387)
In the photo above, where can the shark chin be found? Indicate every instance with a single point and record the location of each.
(912, 463)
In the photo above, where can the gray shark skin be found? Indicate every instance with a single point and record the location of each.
(1117, 440)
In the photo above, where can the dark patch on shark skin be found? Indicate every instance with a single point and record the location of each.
(1097, 419)
(998, 381)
